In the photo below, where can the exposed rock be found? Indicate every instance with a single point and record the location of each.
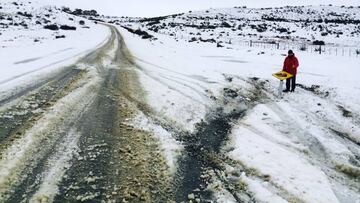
(59, 36)
(51, 27)
(67, 27)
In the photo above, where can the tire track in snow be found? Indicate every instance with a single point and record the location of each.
(20, 171)
(116, 161)
(22, 90)
(171, 87)
(202, 149)
(37, 143)
(13, 118)
(57, 166)
(93, 167)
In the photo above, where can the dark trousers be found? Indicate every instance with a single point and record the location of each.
(291, 80)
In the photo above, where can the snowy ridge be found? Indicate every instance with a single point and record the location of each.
(300, 25)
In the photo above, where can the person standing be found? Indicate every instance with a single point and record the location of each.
(291, 64)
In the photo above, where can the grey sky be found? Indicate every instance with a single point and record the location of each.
(164, 7)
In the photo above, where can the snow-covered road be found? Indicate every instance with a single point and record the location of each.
(69, 140)
(169, 123)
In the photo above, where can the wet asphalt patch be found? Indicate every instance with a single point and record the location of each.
(203, 152)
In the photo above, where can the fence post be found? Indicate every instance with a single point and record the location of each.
(320, 49)
(250, 43)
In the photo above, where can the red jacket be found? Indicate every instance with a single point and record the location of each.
(291, 64)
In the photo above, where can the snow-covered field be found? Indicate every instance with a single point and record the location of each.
(183, 112)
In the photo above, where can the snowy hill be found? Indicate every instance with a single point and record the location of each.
(297, 25)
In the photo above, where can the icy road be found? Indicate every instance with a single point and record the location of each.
(67, 140)
(88, 134)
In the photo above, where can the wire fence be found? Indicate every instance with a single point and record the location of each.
(353, 52)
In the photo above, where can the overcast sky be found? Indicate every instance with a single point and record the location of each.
(146, 8)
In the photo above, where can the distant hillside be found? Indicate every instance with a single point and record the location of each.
(305, 24)
(29, 22)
